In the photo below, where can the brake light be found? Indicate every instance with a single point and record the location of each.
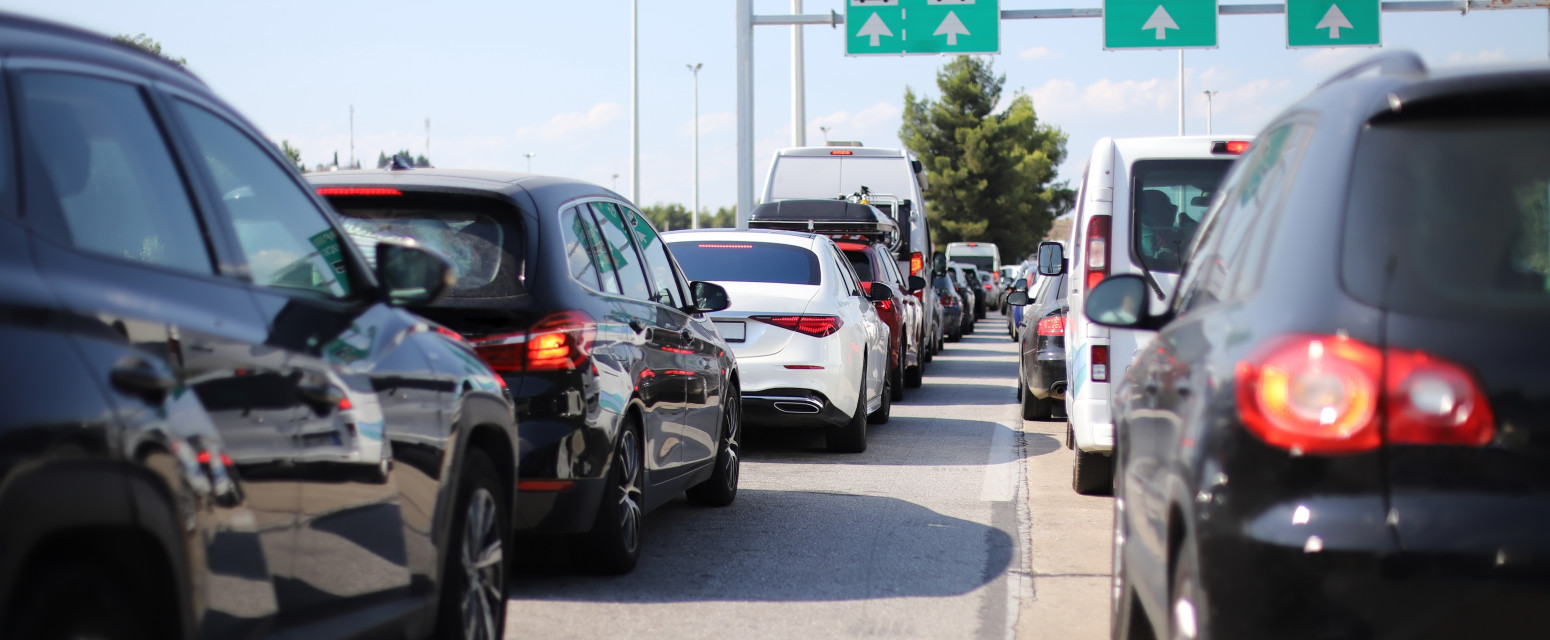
(560, 341)
(1052, 326)
(917, 262)
(358, 191)
(987, 287)
(203, 457)
(1321, 394)
(544, 485)
(840, 152)
(722, 245)
(1097, 250)
(345, 404)
(949, 301)
(1233, 147)
(815, 326)
(1100, 363)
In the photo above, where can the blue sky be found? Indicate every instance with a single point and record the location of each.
(502, 79)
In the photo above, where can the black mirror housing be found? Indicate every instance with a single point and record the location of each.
(708, 297)
(1052, 259)
(411, 275)
(917, 283)
(1018, 298)
(1123, 302)
(879, 292)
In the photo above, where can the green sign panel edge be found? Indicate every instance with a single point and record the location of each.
(1376, 15)
(902, 49)
(1163, 24)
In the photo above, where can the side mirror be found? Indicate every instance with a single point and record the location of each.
(939, 262)
(412, 276)
(879, 291)
(1121, 302)
(1018, 298)
(708, 297)
(917, 283)
(1052, 259)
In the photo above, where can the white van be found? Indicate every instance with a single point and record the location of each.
(896, 181)
(1138, 207)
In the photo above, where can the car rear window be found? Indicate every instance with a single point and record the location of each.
(1457, 210)
(476, 234)
(831, 176)
(1168, 198)
(862, 264)
(733, 261)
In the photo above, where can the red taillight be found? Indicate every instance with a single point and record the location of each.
(949, 301)
(544, 485)
(917, 262)
(559, 342)
(203, 457)
(358, 191)
(804, 367)
(987, 287)
(345, 404)
(1321, 394)
(226, 460)
(815, 326)
(841, 152)
(1052, 326)
(1234, 147)
(1100, 371)
(1097, 250)
(723, 245)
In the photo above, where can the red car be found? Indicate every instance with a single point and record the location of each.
(903, 314)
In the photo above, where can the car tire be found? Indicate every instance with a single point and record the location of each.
(721, 489)
(851, 438)
(1187, 612)
(1127, 617)
(913, 377)
(613, 544)
(76, 599)
(896, 379)
(1091, 474)
(1070, 436)
(473, 588)
(1033, 407)
(885, 410)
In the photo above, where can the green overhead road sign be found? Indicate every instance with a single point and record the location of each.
(895, 27)
(1159, 24)
(1332, 23)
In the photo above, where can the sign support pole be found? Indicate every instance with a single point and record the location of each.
(798, 83)
(744, 111)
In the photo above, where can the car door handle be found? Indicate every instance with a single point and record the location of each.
(139, 376)
(637, 325)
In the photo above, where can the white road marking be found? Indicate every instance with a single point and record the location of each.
(1001, 466)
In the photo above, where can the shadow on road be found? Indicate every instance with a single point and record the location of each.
(796, 546)
(937, 441)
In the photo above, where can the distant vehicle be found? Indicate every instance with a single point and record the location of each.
(895, 182)
(811, 347)
(962, 275)
(1041, 363)
(1347, 400)
(985, 256)
(221, 420)
(626, 393)
(952, 306)
(1139, 205)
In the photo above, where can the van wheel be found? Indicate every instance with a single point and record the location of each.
(613, 544)
(851, 438)
(1091, 473)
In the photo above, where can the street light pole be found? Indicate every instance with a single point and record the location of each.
(695, 216)
(1181, 92)
(798, 88)
(635, 101)
(825, 130)
(1209, 94)
(529, 155)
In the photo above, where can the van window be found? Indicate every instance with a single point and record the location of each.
(1167, 200)
(831, 176)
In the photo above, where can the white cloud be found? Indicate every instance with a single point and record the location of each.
(877, 125)
(569, 124)
(1038, 53)
(1059, 99)
(710, 123)
(1328, 61)
(1488, 56)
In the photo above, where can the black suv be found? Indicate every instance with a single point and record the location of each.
(627, 394)
(1342, 427)
(219, 422)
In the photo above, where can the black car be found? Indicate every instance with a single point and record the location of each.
(1341, 428)
(1041, 362)
(220, 421)
(626, 392)
(952, 307)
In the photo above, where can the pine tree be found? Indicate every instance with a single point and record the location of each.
(991, 171)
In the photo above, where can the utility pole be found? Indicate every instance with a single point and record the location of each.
(798, 85)
(616, 182)
(743, 13)
(427, 140)
(635, 101)
(825, 130)
(1209, 94)
(695, 216)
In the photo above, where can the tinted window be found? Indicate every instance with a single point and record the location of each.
(862, 264)
(1460, 207)
(1168, 199)
(664, 283)
(287, 241)
(621, 251)
(724, 261)
(831, 176)
(104, 168)
(585, 252)
(467, 231)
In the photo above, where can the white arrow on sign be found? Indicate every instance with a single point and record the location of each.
(874, 27)
(1334, 20)
(1160, 21)
(951, 26)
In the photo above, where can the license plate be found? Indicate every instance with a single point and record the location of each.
(731, 331)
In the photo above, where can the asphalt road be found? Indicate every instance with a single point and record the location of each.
(957, 522)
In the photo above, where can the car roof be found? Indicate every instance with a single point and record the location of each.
(1133, 149)
(775, 236)
(434, 179)
(22, 35)
(855, 152)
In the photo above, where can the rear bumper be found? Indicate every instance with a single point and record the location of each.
(1092, 425)
(791, 408)
(1047, 378)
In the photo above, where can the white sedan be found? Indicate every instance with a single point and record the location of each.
(811, 349)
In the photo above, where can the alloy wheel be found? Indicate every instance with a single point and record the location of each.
(628, 459)
(484, 567)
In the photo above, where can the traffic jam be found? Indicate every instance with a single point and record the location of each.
(1296, 378)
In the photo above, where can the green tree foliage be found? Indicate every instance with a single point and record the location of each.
(383, 159)
(293, 154)
(145, 43)
(991, 171)
(671, 217)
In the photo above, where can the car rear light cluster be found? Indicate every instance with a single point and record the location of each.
(1097, 250)
(815, 326)
(1100, 363)
(559, 342)
(1326, 394)
(917, 262)
(1052, 326)
(1232, 147)
(949, 301)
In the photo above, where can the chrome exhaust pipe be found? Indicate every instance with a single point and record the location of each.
(1058, 387)
(798, 406)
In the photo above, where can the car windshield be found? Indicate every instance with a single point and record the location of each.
(1458, 210)
(463, 230)
(1168, 199)
(737, 261)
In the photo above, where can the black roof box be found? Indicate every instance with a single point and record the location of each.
(827, 217)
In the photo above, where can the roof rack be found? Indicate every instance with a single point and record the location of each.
(827, 217)
(1388, 63)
